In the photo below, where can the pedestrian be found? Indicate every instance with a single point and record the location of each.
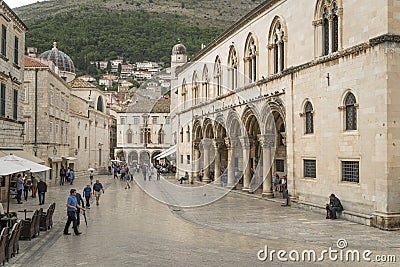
(79, 201)
(34, 186)
(91, 177)
(27, 187)
(149, 172)
(62, 175)
(109, 170)
(67, 173)
(115, 172)
(127, 178)
(144, 171)
(71, 177)
(158, 174)
(184, 178)
(72, 207)
(20, 187)
(42, 189)
(123, 172)
(87, 193)
(97, 188)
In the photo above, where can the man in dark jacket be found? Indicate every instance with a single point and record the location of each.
(42, 189)
(333, 207)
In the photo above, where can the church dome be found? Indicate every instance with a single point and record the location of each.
(179, 49)
(59, 58)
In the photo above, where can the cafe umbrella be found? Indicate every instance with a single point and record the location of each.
(12, 164)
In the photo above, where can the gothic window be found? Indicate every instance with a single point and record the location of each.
(205, 83)
(161, 136)
(282, 135)
(251, 59)
(130, 137)
(184, 93)
(195, 89)
(351, 112)
(308, 110)
(326, 23)
(218, 76)
(277, 45)
(100, 104)
(233, 68)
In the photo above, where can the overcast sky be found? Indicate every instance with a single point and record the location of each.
(17, 3)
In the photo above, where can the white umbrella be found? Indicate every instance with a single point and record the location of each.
(30, 165)
(7, 168)
(91, 169)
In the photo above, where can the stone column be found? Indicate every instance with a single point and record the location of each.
(217, 168)
(206, 166)
(267, 143)
(246, 161)
(231, 164)
(196, 161)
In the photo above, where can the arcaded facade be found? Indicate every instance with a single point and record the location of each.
(301, 88)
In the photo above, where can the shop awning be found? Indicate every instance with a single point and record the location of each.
(70, 158)
(22, 154)
(55, 159)
(166, 153)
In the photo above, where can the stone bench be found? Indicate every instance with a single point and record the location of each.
(348, 215)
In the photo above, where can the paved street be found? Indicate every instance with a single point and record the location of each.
(129, 228)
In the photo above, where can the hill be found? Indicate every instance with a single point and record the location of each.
(90, 30)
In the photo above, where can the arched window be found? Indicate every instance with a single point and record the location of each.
(327, 18)
(351, 112)
(251, 59)
(184, 93)
(308, 110)
(277, 40)
(282, 134)
(100, 104)
(161, 136)
(195, 89)
(129, 136)
(205, 83)
(218, 76)
(233, 68)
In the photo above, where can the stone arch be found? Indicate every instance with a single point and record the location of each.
(218, 76)
(277, 45)
(205, 83)
(197, 131)
(133, 158)
(251, 54)
(195, 88)
(233, 125)
(144, 157)
(233, 67)
(121, 155)
(208, 129)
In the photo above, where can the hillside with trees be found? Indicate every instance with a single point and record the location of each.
(90, 30)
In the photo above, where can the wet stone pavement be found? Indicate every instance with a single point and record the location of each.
(130, 228)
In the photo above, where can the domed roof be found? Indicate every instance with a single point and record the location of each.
(60, 59)
(179, 49)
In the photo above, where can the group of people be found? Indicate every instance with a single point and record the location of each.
(26, 184)
(279, 184)
(67, 175)
(148, 171)
(75, 204)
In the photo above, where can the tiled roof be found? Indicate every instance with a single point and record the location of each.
(33, 63)
(79, 83)
(162, 106)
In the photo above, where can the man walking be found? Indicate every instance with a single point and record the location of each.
(144, 170)
(20, 187)
(72, 207)
(62, 175)
(34, 186)
(87, 193)
(71, 177)
(80, 203)
(97, 188)
(42, 189)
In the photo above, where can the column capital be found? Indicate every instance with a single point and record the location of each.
(196, 144)
(206, 143)
(218, 143)
(266, 140)
(245, 141)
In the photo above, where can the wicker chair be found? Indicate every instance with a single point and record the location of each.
(3, 244)
(11, 241)
(29, 226)
(45, 218)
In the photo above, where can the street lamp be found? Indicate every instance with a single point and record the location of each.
(76, 151)
(54, 151)
(35, 149)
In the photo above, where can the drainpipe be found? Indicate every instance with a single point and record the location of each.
(36, 109)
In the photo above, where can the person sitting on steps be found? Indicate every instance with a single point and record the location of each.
(333, 207)
(184, 178)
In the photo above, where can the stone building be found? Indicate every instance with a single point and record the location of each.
(304, 89)
(143, 131)
(90, 121)
(11, 77)
(46, 114)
